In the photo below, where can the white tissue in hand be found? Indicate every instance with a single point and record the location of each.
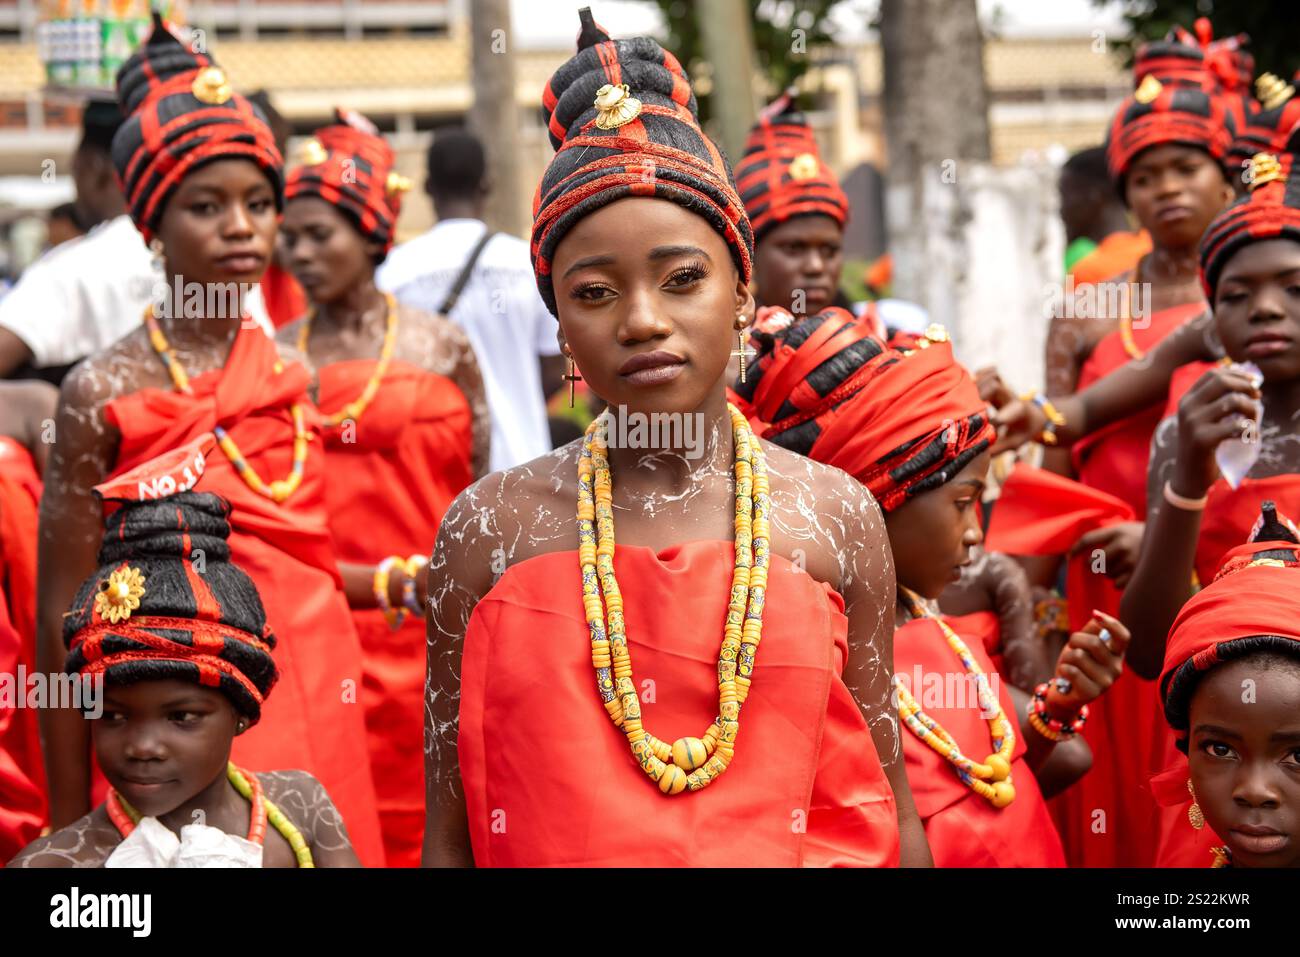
(1237, 455)
(152, 844)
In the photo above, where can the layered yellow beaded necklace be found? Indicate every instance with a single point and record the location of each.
(689, 763)
(354, 409)
(992, 779)
(278, 490)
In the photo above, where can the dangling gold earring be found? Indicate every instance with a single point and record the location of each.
(741, 324)
(571, 376)
(1194, 814)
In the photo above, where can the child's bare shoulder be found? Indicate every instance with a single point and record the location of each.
(308, 806)
(86, 842)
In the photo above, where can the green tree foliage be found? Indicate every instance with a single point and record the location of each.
(785, 33)
(1269, 23)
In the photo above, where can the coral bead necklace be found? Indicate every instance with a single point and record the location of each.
(689, 763)
(125, 817)
(278, 490)
(354, 409)
(991, 779)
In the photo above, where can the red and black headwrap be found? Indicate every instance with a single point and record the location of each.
(1251, 607)
(1271, 210)
(166, 602)
(623, 121)
(350, 165)
(782, 174)
(1177, 100)
(1269, 118)
(902, 418)
(181, 113)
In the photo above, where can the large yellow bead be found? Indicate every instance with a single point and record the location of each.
(1001, 768)
(1003, 794)
(673, 780)
(689, 753)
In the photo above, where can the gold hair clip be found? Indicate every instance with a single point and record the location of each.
(211, 86)
(1264, 168)
(396, 183)
(119, 594)
(1148, 89)
(804, 166)
(312, 153)
(1271, 91)
(615, 106)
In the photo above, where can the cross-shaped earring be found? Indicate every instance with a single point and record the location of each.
(571, 376)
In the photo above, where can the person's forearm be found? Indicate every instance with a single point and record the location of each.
(913, 848)
(1161, 584)
(359, 585)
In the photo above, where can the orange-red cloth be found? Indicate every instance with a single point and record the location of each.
(1114, 256)
(1243, 603)
(1041, 513)
(1114, 459)
(962, 828)
(392, 475)
(22, 775)
(284, 298)
(805, 787)
(312, 721)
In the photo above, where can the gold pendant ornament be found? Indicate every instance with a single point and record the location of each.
(396, 184)
(615, 106)
(119, 594)
(1272, 92)
(1264, 168)
(211, 86)
(1148, 89)
(312, 153)
(1195, 816)
(802, 167)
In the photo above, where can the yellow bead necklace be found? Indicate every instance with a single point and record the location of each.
(997, 766)
(689, 763)
(354, 409)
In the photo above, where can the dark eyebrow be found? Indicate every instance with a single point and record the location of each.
(665, 252)
(1214, 729)
(589, 261)
(978, 483)
(1282, 736)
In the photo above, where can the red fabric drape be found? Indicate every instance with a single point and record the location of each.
(805, 786)
(310, 720)
(1041, 513)
(284, 298)
(964, 829)
(22, 774)
(392, 475)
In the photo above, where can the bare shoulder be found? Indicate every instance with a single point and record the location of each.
(98, 379)
(822, 513)
(432, 342)
(86, 842)
(307, 805)
(509, 516)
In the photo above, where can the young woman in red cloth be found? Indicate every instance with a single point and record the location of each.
(405, 433)
(174, 651)
(907, 422)
(203, 183)
(1231, 688)
(670, 737)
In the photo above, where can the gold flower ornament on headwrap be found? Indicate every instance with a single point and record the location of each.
(615, 106)
(211, 86)
(119, 594)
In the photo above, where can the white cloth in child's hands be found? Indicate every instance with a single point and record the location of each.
(152, 844)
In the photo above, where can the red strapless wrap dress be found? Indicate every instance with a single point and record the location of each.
(392, 475)
(312, 720)
(962, 828)
(549, 780)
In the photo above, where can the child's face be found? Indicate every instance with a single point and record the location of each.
(162, 742)
(1244, 751)
(1175, 191)
(933, 533)
(1257, 307)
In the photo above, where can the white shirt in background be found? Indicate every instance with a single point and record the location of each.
(86, 293)
(503, 315)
